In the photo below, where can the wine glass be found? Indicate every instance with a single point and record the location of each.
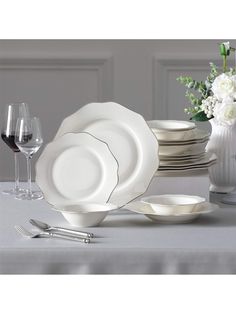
(8, 131)
(29, 139)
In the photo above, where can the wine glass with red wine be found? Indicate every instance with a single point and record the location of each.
(8, 132)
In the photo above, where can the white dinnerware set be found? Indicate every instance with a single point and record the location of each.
(181, 146)
(104, 156)
(172, 208)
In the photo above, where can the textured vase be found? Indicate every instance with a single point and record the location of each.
(222, 142)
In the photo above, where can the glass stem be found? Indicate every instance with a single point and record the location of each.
(28, 158)
(17, 183)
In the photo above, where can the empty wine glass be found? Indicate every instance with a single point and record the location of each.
(8, 131)
(29, 139)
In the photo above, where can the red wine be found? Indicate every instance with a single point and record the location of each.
(10, 141)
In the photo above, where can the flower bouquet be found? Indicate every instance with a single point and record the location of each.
(215, 100)
(217, 94)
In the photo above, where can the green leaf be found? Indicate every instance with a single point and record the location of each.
(193, 99)
(214, 69)
(200, 116)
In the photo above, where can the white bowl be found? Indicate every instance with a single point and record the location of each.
(86, 214)
(174, 204)
(171, 125)
(185, 135)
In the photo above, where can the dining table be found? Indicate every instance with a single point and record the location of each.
(124, 243)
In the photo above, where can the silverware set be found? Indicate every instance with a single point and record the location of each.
(47, 231)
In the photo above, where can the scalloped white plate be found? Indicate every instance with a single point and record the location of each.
(179, 136)
(130, 139)
(171, 125)
(76, 168)
(145, 209)
(187, 149)
(182, 157)
(205, 160)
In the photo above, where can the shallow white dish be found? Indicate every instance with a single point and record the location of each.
(183, 142)
(182, 173)
(202, 161)
(129, 138)
(86, 214)
(188, 135)
(189, 149)
(76, 168)
(188, 167)
(180, 168)
(173, 204)
(171, 125)
(145, 209)
(182, 157)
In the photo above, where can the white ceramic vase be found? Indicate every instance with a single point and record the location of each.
(222, 142)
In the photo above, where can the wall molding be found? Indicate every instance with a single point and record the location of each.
(102, 65)
(162, 65)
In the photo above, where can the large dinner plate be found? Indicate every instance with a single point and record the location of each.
(207, 160)
(129, 138)
(182, 173)
(182, 157)
(187, 167)
(190, 170)
(169, 150)
(183, 142)
(76, 168)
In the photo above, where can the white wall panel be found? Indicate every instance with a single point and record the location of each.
(54, 88)
(56, 77)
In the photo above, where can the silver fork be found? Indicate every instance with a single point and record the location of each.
(29, 234)
(47, 228)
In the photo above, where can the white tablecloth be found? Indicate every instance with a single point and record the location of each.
(125, 243)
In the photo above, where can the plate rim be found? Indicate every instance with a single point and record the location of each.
(212, 207)
(188, 135)
(146, 131)
(191, 125)
(37, 165)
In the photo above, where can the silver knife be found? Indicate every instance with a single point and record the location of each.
(45, 227)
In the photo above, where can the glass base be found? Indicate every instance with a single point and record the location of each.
(13, 192)
(30, 196)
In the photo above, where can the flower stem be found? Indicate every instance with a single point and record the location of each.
(224, 64)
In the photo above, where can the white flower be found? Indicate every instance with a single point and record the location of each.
(208, 105)
(225, 112)
(224, 86)
(227, 45)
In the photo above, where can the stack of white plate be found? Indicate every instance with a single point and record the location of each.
(102, 153)
(181, 146)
